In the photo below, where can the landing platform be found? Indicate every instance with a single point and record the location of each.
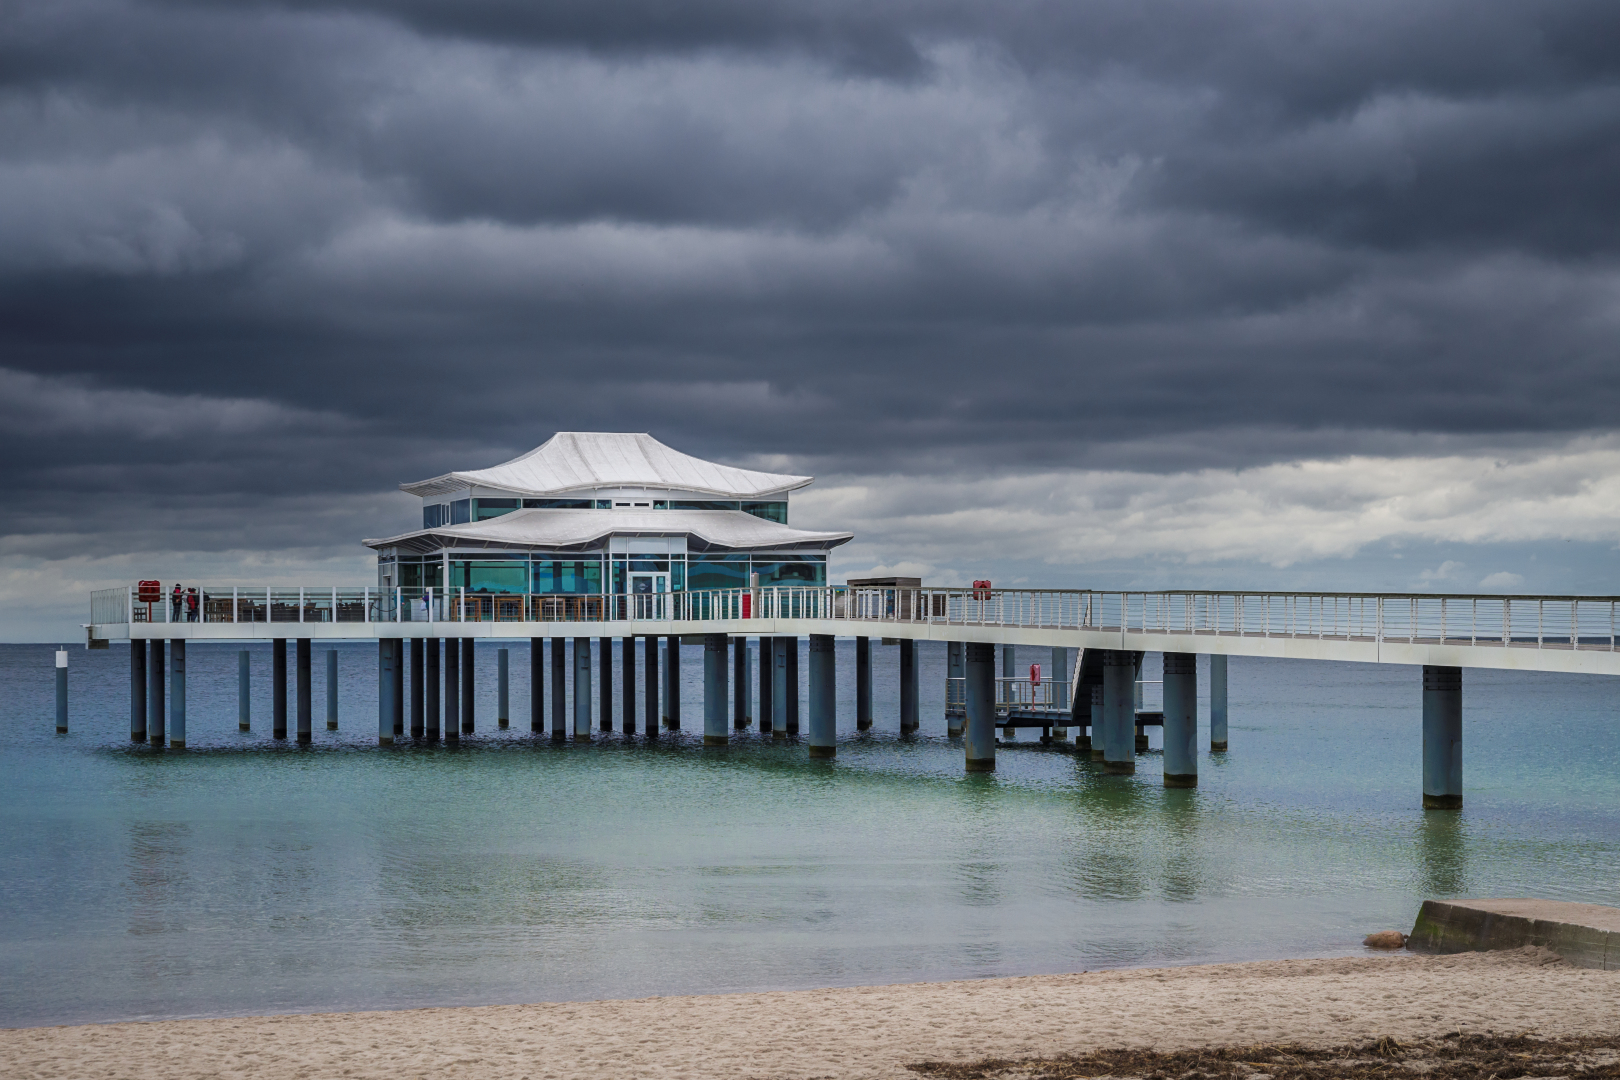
(1587, 935)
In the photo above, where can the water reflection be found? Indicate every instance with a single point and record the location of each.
(1442, 853)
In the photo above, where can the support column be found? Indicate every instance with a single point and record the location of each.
(385, 688)
(155, 696)
(741, 714)
(537, 685)
(863, 684)
(649, 687)
(61, 692)
(627, 655)
(1217, 702)
(1059, 678)
(604, 684)
(793, 686)
(1119, 719)
(1099, 722)
(244, 692)
(452, 690)
(955, 714)
(767, 684)
(823, 697)
(1180, 720)
(582, 689)
(1009, 662)
(137, 690)
(559, 689)
(468, 686)
(910, 711)
(301, 682)
(430, 690)
(332, 687)
(979, 666)
(177, 693)
(418, 692)
(397, 701)
(672, 685)
(1141, 742)
(1442, 738)
(715, 731)
(503, 699)
(779, 687)
(278, 688)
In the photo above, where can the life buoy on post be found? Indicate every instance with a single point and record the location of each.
(1035, 674)
(981, 590)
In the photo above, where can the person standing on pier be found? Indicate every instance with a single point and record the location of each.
(191, 604)
(175, 599)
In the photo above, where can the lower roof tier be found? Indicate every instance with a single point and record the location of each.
(590, 530)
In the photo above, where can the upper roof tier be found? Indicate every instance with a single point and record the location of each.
(582, 460)
(724, 530)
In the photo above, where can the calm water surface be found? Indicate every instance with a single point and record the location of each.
(246, 876)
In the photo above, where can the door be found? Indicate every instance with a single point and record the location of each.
(647, 595)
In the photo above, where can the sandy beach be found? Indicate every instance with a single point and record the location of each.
(857, 1032)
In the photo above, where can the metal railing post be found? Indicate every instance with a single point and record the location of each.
(334, 604)
(236, 604)
(300, 603)
(365, 602)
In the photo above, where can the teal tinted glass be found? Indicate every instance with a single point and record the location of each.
(800, 571)
(709, 505)
(711, 573)
(483, 509)
(576, 576)
(770, 511)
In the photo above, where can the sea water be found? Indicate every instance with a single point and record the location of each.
(250, 875)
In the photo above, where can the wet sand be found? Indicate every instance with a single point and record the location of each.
(854, 1032)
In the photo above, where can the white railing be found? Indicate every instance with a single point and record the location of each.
(1536, 622)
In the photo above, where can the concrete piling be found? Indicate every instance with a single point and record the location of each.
(1217, 702)
(302, 696)
(979, 669)
(61, 691)
(863, 683)
(1442, 738)
(1099, 722)
(955, 716)
(244, 691)
(1119, 719)
(431, 690)
(767, 686)
(468, 685)
(1180, 720)
(793, 685)
(385, 689)
(751, 662)
(559, 689)
(397, 701)
(627, 654)
(537, 685)
(715, 730)
(649, 687)
(604, 684)
(741, 715)
(155, 696)
(137, 690)
(582, 689)
(503, 701)
(672, 684)
(823, 697)
(332, 689)
(910, 710)
(177, 693)
(418, 691)
(452, 690)
(779, 687)
(278, 688)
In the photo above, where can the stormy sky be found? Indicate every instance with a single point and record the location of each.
(1319, 295)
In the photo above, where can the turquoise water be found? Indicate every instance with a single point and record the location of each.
(243, 876)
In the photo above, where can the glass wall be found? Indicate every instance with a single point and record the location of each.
(569, 576)
(489, 575)
(791, 569)
(558, 504)
(770, 511)
(416, 572)
(459, 511)
(708, 505)
(717, 572)
(483, 509)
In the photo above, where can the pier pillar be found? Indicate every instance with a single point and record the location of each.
(418, 691)
(177, 693)
(910, 711)
(430, 689)
(503, 687)
(1180, 720)
(582, 689)
(779, 687)
(979, 669)
(672, 683)
(244, 694)
(61, 691)
(559, 689)
(741, 715)
(452, 690)
(332, 689)
(537, 685)
(955, 714)
(793, 685)
(604, 684)
(397, 701)
(1099, 722)
(301, 683)
(1009, 668)
(649, 687)
(468, 686)
(823, 696)
(1059, 678)
(1217, 702)
(1442, 738)
(863, 683)
(767, 685)
(155, 697)
(385, 689)
(137, 690)
(627, 654)
(1119, 712)
(278, 688)
(715, 731)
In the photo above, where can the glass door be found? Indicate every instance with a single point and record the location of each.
(647, 595)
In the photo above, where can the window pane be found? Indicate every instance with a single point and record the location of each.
(489, 577)
(557, 504)
(798, 572)
(717, 574)
(770, 511)
(459, 511)
(709, 505)
(483, 509)
(574, 576)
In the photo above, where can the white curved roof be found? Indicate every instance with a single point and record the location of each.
(580, 460)
(730, 529)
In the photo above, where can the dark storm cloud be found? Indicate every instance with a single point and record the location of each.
(300, 251)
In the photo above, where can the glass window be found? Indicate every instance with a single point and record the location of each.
(421, 573)
(677, 573)
(557, 504)
(484, 509)
(717, 572)
(709, 505)
(770, 511)
(660, 504)
(604, 504)
(574, 576)
(488, 576)
(459, 511)
(791, 570)
(647, 564)
(436, 515)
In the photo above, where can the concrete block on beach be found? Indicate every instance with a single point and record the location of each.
(1586, 935)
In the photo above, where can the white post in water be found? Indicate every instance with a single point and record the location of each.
(1119, 723)
(1180, 720)
(61, 691)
